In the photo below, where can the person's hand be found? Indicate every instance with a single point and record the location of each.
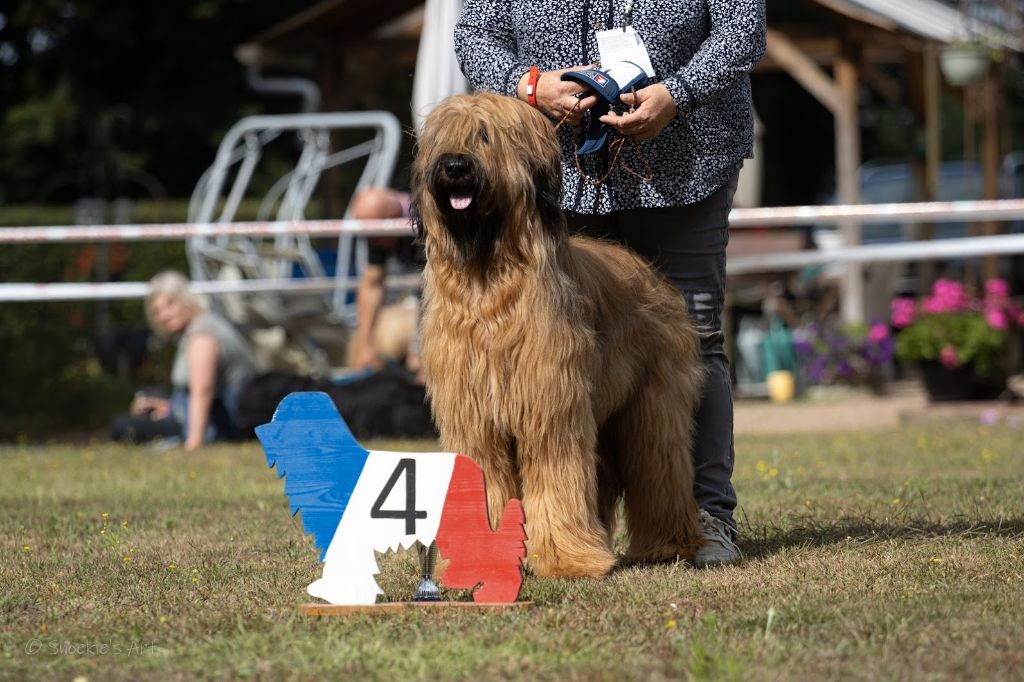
(365, 357)
(654, 108)
(154, 408)
(559, 99)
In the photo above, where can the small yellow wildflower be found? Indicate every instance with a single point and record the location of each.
(163, 619)
(896, 501)
(171, 566)
(761, 466)
(773, 472)
(124, 524)
(26, 548)
(986, 455)
(670, 625)
(104, 515)
(936, 560)
(126, 559)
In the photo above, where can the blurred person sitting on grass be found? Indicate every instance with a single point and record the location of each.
(212, 367)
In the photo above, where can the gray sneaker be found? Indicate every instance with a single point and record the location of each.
(719, 548)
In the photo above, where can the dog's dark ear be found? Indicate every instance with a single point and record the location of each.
(548, 183)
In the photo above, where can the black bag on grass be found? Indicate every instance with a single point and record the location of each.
(385, 404)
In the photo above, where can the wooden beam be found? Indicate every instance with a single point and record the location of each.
(990, 154)
(932, 82)
(847, 130)
(884, 84)
(842, 98)
(804, 70)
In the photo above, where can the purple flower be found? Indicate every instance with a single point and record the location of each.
(803, 345)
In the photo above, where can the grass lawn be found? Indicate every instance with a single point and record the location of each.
(897, 555)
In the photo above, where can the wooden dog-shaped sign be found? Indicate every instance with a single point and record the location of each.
(356, 502)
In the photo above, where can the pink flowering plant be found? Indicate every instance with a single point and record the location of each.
(956, 329)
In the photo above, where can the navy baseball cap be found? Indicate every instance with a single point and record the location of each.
(609, 84)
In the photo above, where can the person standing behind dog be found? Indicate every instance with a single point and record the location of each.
(669, 193)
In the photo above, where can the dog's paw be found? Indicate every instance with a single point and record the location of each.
(595, 564)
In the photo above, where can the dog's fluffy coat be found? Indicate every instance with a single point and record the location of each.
(564, 366)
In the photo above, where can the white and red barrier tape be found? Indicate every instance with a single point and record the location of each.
(179, 231)
(1001, 210)
(106, 291)
(782, 216)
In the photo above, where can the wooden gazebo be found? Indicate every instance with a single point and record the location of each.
(362, 54)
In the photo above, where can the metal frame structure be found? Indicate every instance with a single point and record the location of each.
(307, 315)
(216, 198)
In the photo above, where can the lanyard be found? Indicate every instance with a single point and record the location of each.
(629, 15)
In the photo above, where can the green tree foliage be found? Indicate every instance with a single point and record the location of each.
(121, 98)
(105, 99)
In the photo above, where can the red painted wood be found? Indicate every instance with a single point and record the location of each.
(478, 555)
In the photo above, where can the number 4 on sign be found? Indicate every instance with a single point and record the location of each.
(357, 502)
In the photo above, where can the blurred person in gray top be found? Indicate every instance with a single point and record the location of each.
(212, 367)
(668, 190)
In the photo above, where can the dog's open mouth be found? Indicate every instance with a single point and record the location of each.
(455, 182)
(460, 202)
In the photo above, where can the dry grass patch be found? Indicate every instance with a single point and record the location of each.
(895, 555)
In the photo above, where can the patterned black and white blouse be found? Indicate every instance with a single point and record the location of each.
(701, 50)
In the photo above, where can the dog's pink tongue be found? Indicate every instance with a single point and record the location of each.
(460, 201)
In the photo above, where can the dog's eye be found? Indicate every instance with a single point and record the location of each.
(484, 139)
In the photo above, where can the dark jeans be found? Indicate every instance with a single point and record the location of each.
(223, 423)
(687, 245)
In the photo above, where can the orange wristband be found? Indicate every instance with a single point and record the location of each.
(531, 86)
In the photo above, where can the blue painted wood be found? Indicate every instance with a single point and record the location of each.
(319, 459)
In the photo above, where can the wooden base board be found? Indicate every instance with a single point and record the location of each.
(338, 610)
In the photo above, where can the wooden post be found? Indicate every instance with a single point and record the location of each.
(932, 153)
(847, 131)
(990, 156)
(840, 95)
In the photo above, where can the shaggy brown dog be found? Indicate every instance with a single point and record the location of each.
(564, 366)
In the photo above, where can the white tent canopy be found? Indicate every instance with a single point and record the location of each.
(437, 70)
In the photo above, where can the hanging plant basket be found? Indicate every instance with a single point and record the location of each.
(964, 63)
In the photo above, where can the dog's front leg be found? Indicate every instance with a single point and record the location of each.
(492, 453)
(558, 472)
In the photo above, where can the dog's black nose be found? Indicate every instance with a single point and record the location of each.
(456, 166)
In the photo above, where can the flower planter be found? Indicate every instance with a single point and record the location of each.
(961, 383)
(963, 64)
